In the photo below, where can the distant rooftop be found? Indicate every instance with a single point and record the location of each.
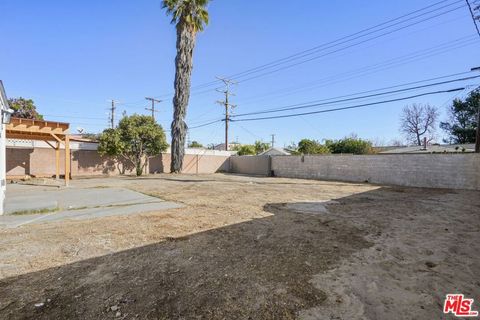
(448, 148)
(275, 152)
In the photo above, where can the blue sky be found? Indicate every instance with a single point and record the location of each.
(72, 57)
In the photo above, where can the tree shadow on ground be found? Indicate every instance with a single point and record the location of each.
(259, 269)
(21, 159)
(89, 162)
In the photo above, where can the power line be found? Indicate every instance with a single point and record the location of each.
(206, 124)
(249, 132)
(346, 47)
(132, 106)
(339, 41)
(310, 103)
(381, 66)
(355, 36)
(349, 107)
(288, 107)
(202, 115)
(315, 104)
(71, 117)
(88, 124)
(370, 91)
(473, 17)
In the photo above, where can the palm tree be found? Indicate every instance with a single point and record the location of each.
(190, 17)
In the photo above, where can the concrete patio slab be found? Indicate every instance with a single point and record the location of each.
(75, 203)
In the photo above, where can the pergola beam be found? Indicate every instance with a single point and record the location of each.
(44, 131)
(57, 161)
(51, 145)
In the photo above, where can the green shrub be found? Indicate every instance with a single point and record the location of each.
(245, 150)
(307, 146)
(350, 145)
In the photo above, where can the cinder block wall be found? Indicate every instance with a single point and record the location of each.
(254, 165)
(457, 171)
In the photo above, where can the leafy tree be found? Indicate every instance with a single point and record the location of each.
(251, 149)
(350, 145)
(261, 147)
(195, 144)
(24, 108)
(418, 121)
(462, 122)
(190, 17)
(245, 150)
(136, 138)
(307, 146)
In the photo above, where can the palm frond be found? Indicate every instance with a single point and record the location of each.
(191, 12)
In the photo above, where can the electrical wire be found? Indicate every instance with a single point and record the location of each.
(341, 49)
(71, 117)
(473, 17)
(205, 124)
(314, 104)
(349, 107)
(353, 35)
(378, 67)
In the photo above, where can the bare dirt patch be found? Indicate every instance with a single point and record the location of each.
(249, 248)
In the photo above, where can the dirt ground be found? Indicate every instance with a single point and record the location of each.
(249, 248)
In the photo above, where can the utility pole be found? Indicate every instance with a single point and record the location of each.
(477, 139)
(228, 106)
(477, 135)
(273, 139)
(153, 100)
(112, 114)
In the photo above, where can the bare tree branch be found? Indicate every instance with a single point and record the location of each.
(418, 122)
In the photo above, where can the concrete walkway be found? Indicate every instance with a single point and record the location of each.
(27, 204)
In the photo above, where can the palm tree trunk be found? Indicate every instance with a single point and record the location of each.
(183, 72)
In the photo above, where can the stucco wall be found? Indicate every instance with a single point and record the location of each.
(40, 162)
(254, 165)
(192, 163)
(458, 171)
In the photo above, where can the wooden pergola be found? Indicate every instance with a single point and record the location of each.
(48, 131)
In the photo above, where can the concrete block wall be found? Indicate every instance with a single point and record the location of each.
(254, 165)
(457, 171)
